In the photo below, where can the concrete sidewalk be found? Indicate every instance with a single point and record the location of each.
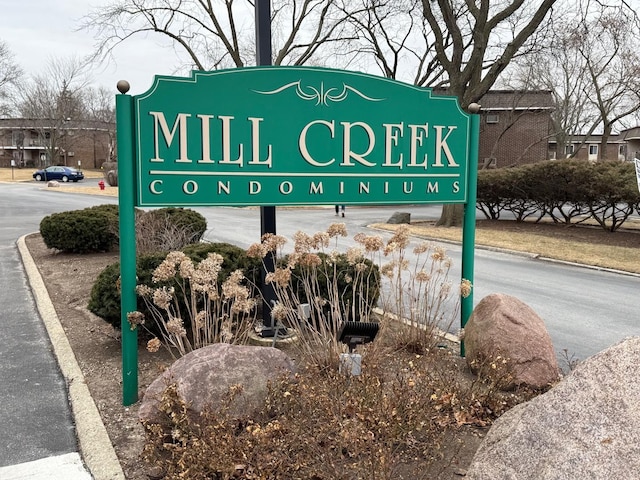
(68, 467)
(96, 457)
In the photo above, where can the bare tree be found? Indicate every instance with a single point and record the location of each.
(394, 36)
(560, 69)
(592, 67)
(10, 74)
(53, 101)
(99, 105)
(475, 42)
(220, 34)
(457, 43)
(99, 119)
(485, 38)
(607, 41)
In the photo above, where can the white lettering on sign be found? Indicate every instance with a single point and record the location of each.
(286, 188)
(418, 134)
(318, 188)
(302, 143)
(348, 154)
(154, 187)
(441, 146)
(180, 126)
(181, 123)
(224, 187)
(216, 133)
(190, 187)
(393, 134)
(393, 131)
(254, 187)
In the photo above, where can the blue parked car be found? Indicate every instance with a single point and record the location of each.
(65, 174)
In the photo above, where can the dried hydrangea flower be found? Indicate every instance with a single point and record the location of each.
(153, 345)
(135, 318)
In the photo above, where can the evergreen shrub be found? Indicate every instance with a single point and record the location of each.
(341, 272)
(80, 231)
(105, 294)
(184, 218)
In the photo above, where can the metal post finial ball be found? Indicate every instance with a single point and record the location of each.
(474, 107)
(123, 86)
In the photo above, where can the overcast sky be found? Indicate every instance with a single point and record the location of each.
(38, 30)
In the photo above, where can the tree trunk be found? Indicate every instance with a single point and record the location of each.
(451, 215)
(604, 140)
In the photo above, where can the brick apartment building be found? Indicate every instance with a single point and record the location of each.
(515, 128)
(587, 147)
(36, 143)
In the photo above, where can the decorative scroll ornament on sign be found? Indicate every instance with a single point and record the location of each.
(321, 96)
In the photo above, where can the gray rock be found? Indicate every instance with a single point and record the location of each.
(586, 427)
(399, 217)
(204, 377)
(502, 325)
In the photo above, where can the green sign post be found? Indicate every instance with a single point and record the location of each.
(289, 136)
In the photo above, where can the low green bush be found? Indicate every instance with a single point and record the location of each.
(105, 294)
(96, 229)
(341, 273)
(235, 258)
(186, 219)
(566, 191)
(168, 229)
(80, 231)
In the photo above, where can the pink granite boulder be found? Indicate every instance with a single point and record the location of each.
(505, 337)
(205, 376)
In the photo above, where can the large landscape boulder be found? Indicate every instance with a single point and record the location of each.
(203, 378)
(506, 332)
(587, 426)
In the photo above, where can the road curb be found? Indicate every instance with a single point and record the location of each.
(95, 446)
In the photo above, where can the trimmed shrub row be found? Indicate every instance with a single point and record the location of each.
(566, 191)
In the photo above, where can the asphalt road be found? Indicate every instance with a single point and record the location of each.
(34, 414)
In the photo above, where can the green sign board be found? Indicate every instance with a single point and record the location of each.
(297, 136)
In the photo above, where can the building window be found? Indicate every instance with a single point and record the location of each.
(593, 149)
(568, 149)
(622, 150)
(493, 118)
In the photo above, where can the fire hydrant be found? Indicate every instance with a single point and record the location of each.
(101, 184)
